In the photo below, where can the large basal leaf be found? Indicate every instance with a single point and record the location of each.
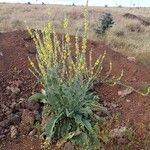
(38, 97)
(87, 125)
(49, 128)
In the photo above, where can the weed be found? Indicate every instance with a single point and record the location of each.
(71, 106)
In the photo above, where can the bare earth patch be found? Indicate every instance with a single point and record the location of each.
(17, 84)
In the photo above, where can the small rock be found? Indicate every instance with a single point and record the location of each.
(14, 119)
(2, 136)
(5, 123)
(4, 107)
(13, 132)
(1, 130)
(128, 100)
(27, 117)
(15, 83)
(1, 54)
(68, 146)
(8, 112)
(14, 90)
(32, 105)
(32, 50)
(114, 105)
(33, 132)
(37, 115)
(27, 121)
(28, 38)
(118, 132)
(132, 59)
(125, 92)
(13, 105)
(6, 131)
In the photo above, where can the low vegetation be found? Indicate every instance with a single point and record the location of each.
(70, 104)
(106, 22)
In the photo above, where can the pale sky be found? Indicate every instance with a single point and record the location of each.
(91, 2)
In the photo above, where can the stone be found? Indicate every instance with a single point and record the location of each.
(132, 59)
(128, 100)
(118, 132)
(22, 102)
(27, 121)
(14, 119)
(27, 38)
(5, 123)
(1, 130)
(27, 117)
(8, 112)
(32, 105)
(13, 105)
(33, 132)
(37, 115)
(13, 132)
(125, 92)
(32, 50)
(1, 54)
(68, 146)
(14, 90)
(2, 136)
(114, 105)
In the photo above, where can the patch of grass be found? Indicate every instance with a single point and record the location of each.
(17, 24)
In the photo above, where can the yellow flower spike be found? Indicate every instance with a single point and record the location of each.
(67, 38)
(120, 76)
(97, 62)
(66, 23)
(49, 12)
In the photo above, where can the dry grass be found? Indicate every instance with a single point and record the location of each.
(128, 36)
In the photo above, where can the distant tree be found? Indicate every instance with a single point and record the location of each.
(43, 3)
(106, 5)
(119, 6)
(73, 4)
(106, 22)
(29, 3)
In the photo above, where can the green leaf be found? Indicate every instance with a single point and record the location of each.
(87, 125)
(78, 119)
(82, 139)
(49, 128)
(38, 97)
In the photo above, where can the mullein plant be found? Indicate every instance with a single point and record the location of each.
(67, 77)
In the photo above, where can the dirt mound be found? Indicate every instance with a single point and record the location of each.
(143, 20)
(133, 109)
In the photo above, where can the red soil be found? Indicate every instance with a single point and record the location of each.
(14, 65)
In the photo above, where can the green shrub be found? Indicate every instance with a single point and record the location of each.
(106, 22)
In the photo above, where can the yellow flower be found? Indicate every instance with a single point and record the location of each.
(66, 23)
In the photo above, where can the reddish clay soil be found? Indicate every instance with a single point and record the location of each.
(134, 109)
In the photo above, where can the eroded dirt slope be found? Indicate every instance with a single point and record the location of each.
(134, 109)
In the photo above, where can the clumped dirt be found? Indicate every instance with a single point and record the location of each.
(17, 84)
(143, 20)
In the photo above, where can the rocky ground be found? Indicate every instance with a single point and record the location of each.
(18, 116)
